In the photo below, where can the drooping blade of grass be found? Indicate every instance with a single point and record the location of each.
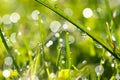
(8, 50)
(68, 59)
(78, 25)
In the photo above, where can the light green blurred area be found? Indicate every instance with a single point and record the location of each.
(27, 33)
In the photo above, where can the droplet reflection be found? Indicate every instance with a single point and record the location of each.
(6, 73)
(99, 69)
(14, 17)
(35, 14)
(87, 13)
(54, 26)
(8, 61)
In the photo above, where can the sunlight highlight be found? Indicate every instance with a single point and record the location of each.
(87, 13)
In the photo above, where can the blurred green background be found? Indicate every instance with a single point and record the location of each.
(19, 21)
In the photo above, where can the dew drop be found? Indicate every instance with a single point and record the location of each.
(88, 28)
(6, 19)
(117, 77)
(13, 37)
(14, 17)
(61, 40)
(49, 43)
(112, 65)
(35, 14)
(108, 54)
(52, 75)
(84, 62)
(98, 9)
(63, 62)
(57, 35)
(34, 77)
(54, 26)
(71, 39)
(65, 26)
(87, 13)
(113, 38)
(16, 51)
(8, 61)
(19, 33)
(99, 69)
(6, 73)
(103, 61)
(98, 46)
(83, 35)
(68, 11)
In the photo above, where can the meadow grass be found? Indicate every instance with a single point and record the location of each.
(41, 68)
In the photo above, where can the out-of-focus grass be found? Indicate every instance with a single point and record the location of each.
(45, 55)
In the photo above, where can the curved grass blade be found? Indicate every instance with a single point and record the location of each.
(79, 26)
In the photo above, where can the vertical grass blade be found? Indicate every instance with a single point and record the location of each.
(58, 62)
(68, 59)
(79, 26)
(8, 50)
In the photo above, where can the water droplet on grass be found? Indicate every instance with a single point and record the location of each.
(98, 46)
(14, 17)
(98, 9)
(52, 75)
(6, 73)
(19, 33)
(6, 19)
(117, 77)
(108, 54)
(65, 26)
(84, 62)
(71, 39)
(87, 13)
(57, 35)
(54, 26)
(61, 40)
(113, 38)
(63, 62)
(35, 14)
(68, 11)
(99, 69)
(16, 51)
(49, 43)
(88, 28)
(83, 35)
(112, 65)
(13, 37)
(8, 61)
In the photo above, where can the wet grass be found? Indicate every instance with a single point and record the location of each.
(55, 62)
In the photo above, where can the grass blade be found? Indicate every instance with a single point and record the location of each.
(8, 50)
(68, 61)
(78, 25)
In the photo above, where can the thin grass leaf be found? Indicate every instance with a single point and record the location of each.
(68, 59)
(79, 26)
(8, 50)
(58, 62)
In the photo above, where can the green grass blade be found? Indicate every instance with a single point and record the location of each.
(78, 25)
(68, 59)
(8, 50)
(58, 62)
